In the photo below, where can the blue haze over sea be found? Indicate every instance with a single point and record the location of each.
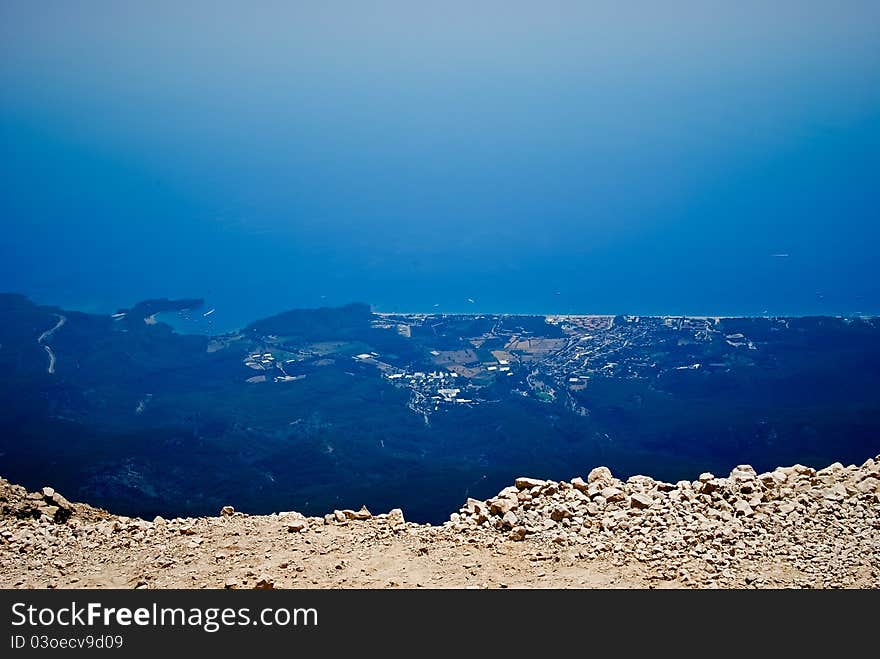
(572, 157)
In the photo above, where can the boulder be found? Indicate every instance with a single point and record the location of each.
(510, 519)
(836, 492)
(868, 485)
(559, 513)
(602, 474)
(743, 508)
(523, 483)
(612, 494)
(779, 476)
(743, 473)
(640, 500)
(830, 470)
(361, 514)
(712, 485)
(641, 482)
(395, 518)
(579, 484)
(473, 506)
(476, 510)
(60, 501)
(502, 505)
(787, 507)
(767, 479)
(227, 511)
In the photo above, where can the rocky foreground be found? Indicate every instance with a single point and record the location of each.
(792, 527)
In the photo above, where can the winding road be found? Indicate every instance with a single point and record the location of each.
(46, 336)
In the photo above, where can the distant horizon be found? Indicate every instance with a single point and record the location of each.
(171, 317)
(691, 157)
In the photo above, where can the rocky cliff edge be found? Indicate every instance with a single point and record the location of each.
(792, 527)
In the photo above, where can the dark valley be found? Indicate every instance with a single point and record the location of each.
(318, 409)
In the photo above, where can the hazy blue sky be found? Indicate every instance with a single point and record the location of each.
(639, 157)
